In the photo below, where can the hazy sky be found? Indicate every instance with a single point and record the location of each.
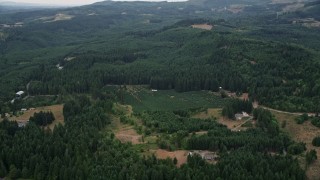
(71, 2)
(57, 2)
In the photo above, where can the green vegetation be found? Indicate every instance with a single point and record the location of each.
(284, 124)
(167, 122)
(147, 55)
(173, 141)
(247, 124)
(297, 148)
(316, 141)
(304, 117)
(236, 106)
(301, 119)
(90, 154)
(38, 101)
(315, 121)
(266, 121)
(264, 138)
(42, 118)
(165, 53)
(311, 156)
(166, 100)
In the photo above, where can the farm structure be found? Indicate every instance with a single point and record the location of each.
(206, 155)
(19, 94)
(239, 116)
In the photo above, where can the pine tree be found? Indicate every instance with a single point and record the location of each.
(25, 173)
(175, 161)
(3, 170)
(13, 174)
(311, 156)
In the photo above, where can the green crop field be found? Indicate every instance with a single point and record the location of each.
(144, 99)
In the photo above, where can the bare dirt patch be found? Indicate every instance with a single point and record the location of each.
(312, 24)
(243, 96)
(57, 17)
(125, 133)
(236, 8)
(285, 1)
(293, 7)
(253, 62)
(129, 135)
(57, 111)
(62, 17)
(201, 132)
(180, 155)
(134, 90)
(202, 26)
(302, 133)
(69, 58)
(307, 22)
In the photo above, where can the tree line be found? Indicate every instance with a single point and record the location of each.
(42, 118)
(237, 106)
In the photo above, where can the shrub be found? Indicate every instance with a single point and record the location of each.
(301, 119)
(311, 156)
(315, 121)
(296, 148)
(316, 141)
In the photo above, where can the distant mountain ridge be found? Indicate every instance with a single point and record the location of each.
(12, 3)
(27, 5)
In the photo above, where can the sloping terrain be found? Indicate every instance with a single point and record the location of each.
(96, 58)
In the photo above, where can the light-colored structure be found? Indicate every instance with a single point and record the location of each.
(19, 93)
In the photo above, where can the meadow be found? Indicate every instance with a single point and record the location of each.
(143, 99)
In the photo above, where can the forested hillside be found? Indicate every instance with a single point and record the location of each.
(119, 43)
(168, 62)
(66, 154)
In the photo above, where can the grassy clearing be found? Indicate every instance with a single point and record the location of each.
(180, 155)
(302, 133)
(124, 132)
(143, 99)
(209, 113)
(202, 26)
(57, 111)
(217, 113)
(149, 145)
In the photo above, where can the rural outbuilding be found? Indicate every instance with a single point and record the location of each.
(19, 94)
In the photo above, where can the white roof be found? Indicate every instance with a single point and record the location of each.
(238, 115)
(20, 93)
